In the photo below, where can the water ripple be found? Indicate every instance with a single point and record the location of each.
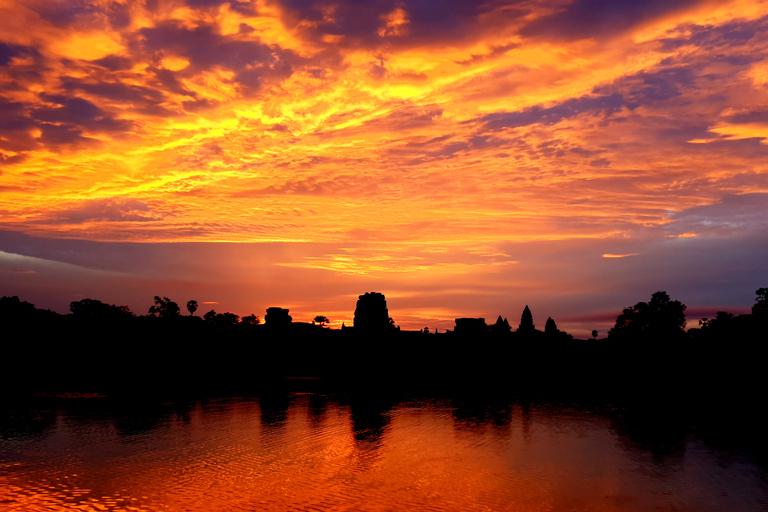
(311, 453)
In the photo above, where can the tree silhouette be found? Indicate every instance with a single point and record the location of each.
(95, 310)
(12, 309)
(220, 320)
(661, 318)
(250, 320)
(761, 302)
(226, 319)
(164, 308)
(721, 326)
(321, 320)
(192, 307)
(594, 333)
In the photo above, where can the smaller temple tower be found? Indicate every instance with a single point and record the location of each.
(277, 317)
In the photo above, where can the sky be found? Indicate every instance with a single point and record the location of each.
(465, 158)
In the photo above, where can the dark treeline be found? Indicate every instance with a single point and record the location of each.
(107, 348)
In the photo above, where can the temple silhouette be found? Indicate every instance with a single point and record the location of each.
(106, 346)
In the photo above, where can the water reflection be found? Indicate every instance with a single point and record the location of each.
(26, 421)
(314, 452)
(369, 421)
(661, 432)
(316, 410)
(274, 410)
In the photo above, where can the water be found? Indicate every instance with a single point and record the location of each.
(315, 453)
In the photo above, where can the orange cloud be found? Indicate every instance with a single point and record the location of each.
(620, 255)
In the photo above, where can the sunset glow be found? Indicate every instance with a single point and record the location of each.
(463, 158)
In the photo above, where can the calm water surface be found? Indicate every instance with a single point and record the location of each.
(316, 453)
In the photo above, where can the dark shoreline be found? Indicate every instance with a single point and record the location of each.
(105, 349)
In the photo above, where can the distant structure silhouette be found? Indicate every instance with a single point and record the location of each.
(470, 326)
(501, 326)
(371, 313)
(526, 322)
(277, 317)
(550, 328)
